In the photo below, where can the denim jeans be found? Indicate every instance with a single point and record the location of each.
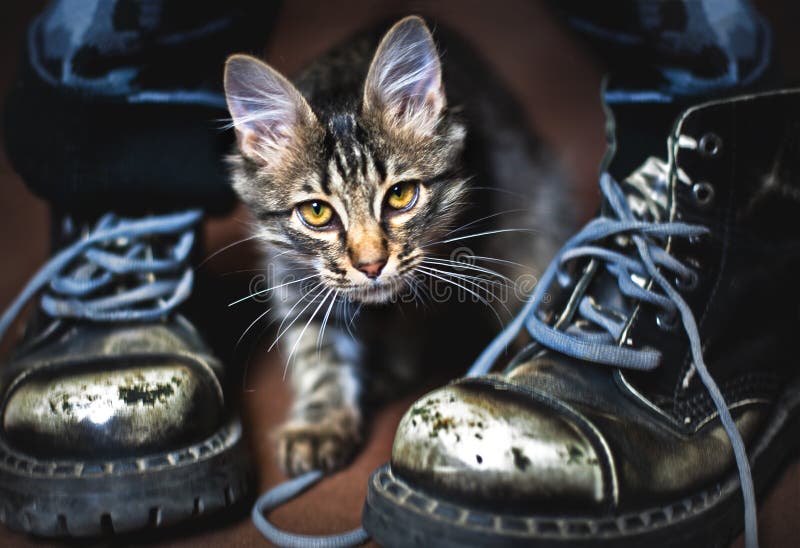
(131, 90)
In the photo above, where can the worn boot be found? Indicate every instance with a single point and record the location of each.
(113, 413)
(662, 371)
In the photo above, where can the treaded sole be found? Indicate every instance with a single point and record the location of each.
(61, 498)
(398, 514)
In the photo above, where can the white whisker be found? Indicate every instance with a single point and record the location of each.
(349, 324)
(217, 252)
(270, 289)
(325, 322)
(281, 329)
(419, 289)
(462, 227)
(468, 277)
(481, 299)
(468, 266)
(305, 327)
(479, 234)
(495, 260)
(249, 327)
(472, 280)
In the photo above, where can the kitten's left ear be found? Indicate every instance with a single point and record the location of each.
(404, 82)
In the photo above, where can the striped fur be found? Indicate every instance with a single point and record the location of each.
(357, 122)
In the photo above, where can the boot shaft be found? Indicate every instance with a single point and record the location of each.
(737, 166)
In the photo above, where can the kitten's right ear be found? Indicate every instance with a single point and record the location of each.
(268, 112)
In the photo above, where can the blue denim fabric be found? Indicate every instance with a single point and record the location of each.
(676, 50)
(145, 51)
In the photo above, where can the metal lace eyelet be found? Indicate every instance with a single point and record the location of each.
(710, 145)
(703, 193)
(667, 321)
(687, 284)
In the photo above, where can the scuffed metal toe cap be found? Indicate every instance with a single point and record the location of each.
(496, 448)
(124, 411)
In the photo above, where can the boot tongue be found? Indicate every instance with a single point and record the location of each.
(638, 130)
(646, 191)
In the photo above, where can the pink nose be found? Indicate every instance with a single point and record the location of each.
(372, 270)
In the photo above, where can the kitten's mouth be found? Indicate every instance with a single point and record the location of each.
(375, 293)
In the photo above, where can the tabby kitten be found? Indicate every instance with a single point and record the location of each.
(359, 175)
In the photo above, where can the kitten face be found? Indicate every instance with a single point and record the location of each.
(356, 189)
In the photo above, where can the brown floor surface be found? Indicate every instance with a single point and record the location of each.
(557, 83)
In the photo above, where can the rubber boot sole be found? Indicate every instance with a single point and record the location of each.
(398, 514)
(63, 498)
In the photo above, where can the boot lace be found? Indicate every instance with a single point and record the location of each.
(123, 270)
(593, 338)
(599, 345)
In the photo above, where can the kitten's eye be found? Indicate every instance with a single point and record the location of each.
(402, 195)
(315, 214)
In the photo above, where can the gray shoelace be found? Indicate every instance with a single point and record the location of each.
(600, 347)
(82, 281)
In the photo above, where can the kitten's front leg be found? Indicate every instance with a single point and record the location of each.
(324, 425)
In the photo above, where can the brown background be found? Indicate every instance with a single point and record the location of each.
(556, 81)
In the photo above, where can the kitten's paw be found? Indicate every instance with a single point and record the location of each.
(327, 444)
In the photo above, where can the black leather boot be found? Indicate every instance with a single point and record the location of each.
(113, 413)
(664, 344)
